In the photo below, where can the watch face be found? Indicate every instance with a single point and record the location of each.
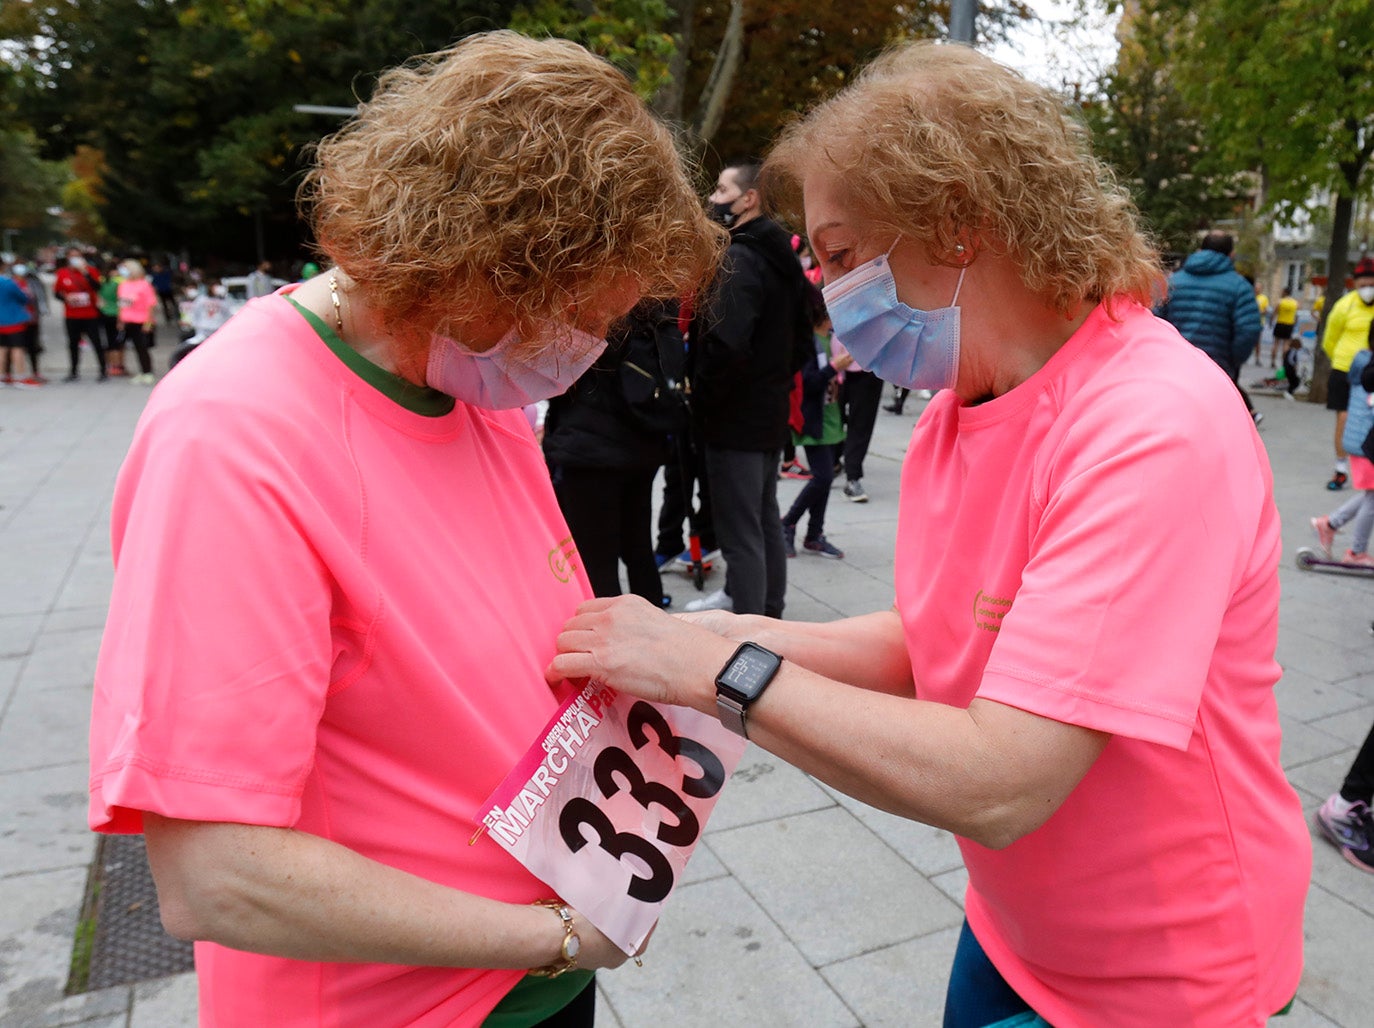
(751, 669)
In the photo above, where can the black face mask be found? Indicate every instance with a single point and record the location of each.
(721, 213)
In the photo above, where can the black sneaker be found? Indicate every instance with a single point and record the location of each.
(1338, 480)
(823, 548)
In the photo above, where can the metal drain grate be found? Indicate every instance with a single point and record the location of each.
(129, 944)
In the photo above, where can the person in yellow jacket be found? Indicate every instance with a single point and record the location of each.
(1347, 333)
(1261, 301)
(1285, 324)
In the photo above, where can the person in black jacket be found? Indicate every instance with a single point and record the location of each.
(748, 339)
(605, 439)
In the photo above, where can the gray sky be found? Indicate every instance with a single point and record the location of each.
(1055, 53)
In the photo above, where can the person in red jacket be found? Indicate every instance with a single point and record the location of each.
(77, 285)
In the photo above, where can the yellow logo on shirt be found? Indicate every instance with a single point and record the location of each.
(563, 559)
(988, 611)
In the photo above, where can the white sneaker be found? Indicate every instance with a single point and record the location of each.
(718, 600)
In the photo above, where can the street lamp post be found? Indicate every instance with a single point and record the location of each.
(961, 17)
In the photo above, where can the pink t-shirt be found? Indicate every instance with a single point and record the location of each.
(333, 614)
(1099, 546)
(136, 301)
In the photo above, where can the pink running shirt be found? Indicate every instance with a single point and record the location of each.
(333, 614)
(136, 301)
(1099, 546)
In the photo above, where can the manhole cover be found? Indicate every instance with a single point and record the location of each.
(128, 943)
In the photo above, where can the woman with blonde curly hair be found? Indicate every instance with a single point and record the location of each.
(1077, 678)
(338, 584)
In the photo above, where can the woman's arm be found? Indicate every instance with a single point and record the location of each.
(991, 773)
(827, 648)
(291, 894)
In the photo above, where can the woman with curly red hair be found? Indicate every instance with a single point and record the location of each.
(337, 583)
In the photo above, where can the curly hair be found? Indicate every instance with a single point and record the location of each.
(944, 145)
(510, 175)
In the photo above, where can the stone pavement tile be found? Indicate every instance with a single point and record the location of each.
(1304, 743)
(1309, 697)
(38, 915)
(165, 1002)
(605, 1011)
(835, 888)
(1323, 626)
(929, 850)
(1337, 876)
(36, 575)
(953, 884)
(762, 788)
(1336, 982)
(1361, 685)
(105, 1007)
(703, 866)
(62, 659)
(18, 632)
(45, 820)
(1350, 726)
(1317, 664)
(90, 581)
(851, 594)
(717, 959)
(900, 986)
(1303, 1016)
(44, 726)
(70, 618)
(1322, 777)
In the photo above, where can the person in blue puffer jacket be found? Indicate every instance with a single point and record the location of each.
(1360, 507)
(1214, 308)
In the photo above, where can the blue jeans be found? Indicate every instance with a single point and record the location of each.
(978, 995)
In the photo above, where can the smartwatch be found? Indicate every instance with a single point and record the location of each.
(742, 681)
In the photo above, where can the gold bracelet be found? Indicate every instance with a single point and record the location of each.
(567, 953)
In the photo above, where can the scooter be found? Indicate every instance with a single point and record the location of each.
(1312, 559)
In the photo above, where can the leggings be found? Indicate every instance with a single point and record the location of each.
(138, 335)
(1360, 509)
(610, 513)
(1359, 781)
(978, 996)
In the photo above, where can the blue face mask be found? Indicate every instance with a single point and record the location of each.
(910, 348)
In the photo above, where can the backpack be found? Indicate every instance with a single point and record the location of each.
(651, 371)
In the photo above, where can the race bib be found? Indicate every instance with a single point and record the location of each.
(78, 299)
(609, 803)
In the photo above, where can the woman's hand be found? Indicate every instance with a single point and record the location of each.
(634, 647)
(597, 951)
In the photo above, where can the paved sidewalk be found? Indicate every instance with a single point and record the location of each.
(802, 907)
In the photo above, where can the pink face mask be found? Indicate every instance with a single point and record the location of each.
(495, 381)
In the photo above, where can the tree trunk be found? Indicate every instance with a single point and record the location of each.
(668, 101)
(1335, 286)
(711, 107)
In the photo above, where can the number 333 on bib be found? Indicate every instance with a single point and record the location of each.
(609, 803)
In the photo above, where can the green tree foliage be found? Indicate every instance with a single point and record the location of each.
(634, 35)
(1155, 140)
(191, 102)
(1286, 89)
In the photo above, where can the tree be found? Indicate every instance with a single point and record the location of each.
(1155, 140)
(1296, 100)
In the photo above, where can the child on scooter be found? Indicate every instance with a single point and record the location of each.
(1360, 507)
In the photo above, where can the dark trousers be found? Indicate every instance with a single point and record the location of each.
(109, 324)
(170, 311)
(1359, 781)
(861, 394)
(610, 512)
(677, 506)
(88, 327)
(744, 505)
(138, 335)
(815, 495)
